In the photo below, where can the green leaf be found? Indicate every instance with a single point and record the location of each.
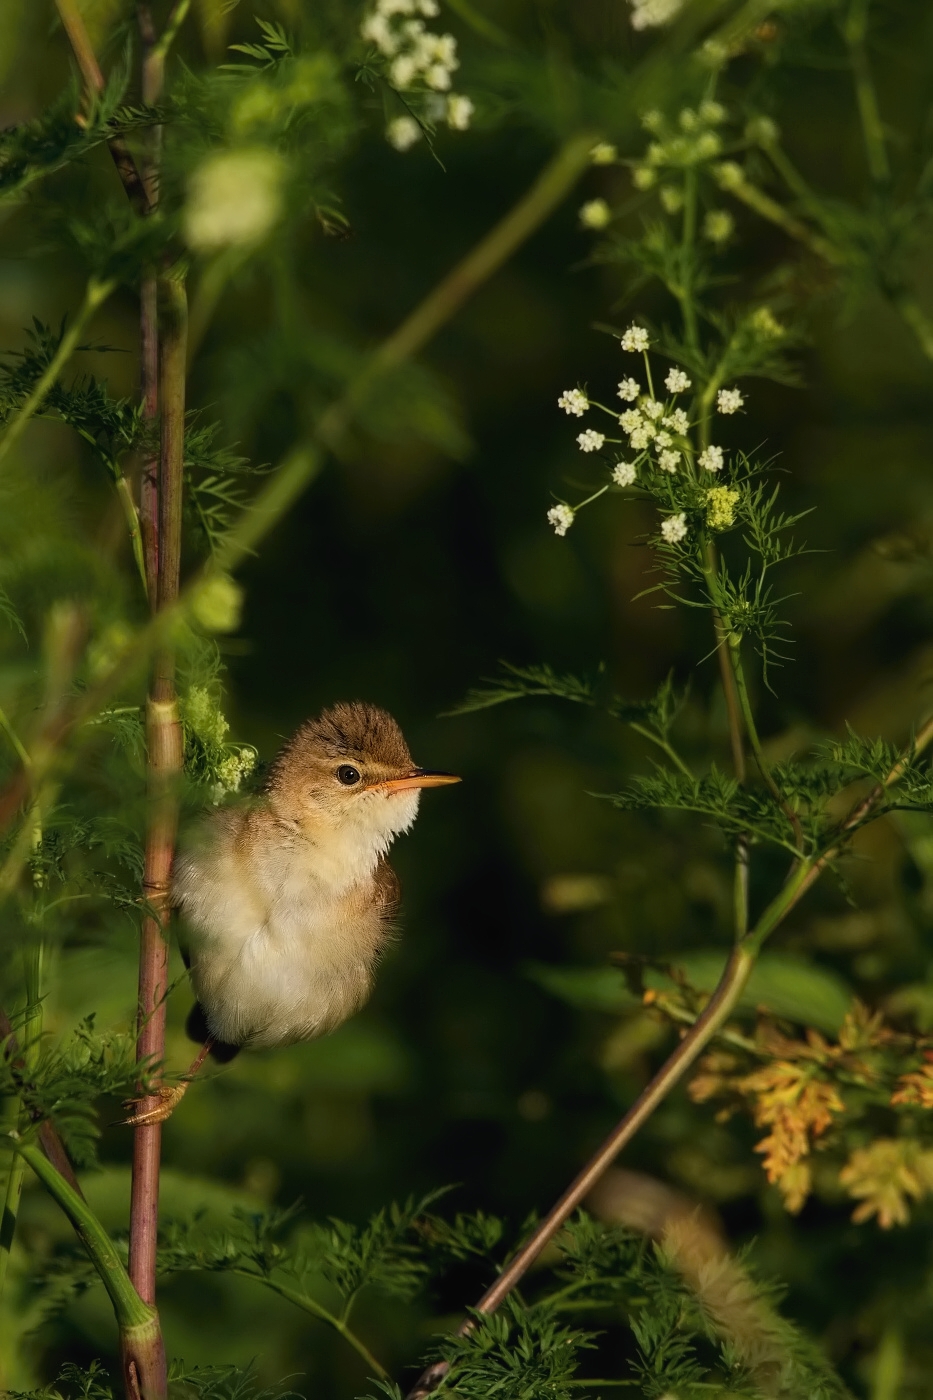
(788, 987)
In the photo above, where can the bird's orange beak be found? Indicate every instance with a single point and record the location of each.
(420, 778)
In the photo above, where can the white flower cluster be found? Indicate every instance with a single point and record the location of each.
(573, 401)
(418, 58)
(674, 528)
(652, 14)
(561, 517)
(636, 340)
(660, 435)
(677, 381)
(729, 400)
(231, 771)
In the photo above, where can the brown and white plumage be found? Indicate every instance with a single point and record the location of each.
(289, 901)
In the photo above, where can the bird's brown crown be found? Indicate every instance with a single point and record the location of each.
(352, 730)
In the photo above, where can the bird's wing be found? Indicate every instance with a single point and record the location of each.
(388, 890)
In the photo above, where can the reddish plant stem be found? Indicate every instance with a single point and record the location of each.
(73, 25)
(153, 73)
(165, 763)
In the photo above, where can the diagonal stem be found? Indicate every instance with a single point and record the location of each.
(81, 47)
(95, 295)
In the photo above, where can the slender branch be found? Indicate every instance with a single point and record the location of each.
(34, 958)
(140, 1335)
(95, 295)
(49, 1140)
(165, 764)
(718, 1008)
(664, 746)
(131, 516)
(775, 213)
(685, 291)
(73, 25)
(316, 1309)
(751, 729)
(856, 31)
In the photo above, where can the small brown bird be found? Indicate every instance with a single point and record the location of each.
(289, 901)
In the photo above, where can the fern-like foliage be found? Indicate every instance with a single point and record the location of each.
(66, 1081)
(214, 478)
(38, 148)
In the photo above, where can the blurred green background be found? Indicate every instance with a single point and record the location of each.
(402, 577)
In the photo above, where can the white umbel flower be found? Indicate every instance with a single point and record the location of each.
(674, 528)
(677, 381)
(729, 400)
(652, 409)
(574, 402)
(403, 132)
(630, 420)
(623, 474)
(459, 112)
(669, 461)
(678, 422)
(711, 459)
(641, 437)
(561, 517)
(590, 440)
(636, 340)
(629, 390)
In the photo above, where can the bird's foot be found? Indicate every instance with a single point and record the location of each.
(168, 1097)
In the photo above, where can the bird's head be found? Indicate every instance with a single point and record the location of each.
(350, 768)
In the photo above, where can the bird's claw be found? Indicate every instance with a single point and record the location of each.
(168, 1097)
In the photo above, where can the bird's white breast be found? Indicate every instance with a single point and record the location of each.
(285, 930)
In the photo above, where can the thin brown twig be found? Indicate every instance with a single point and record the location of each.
(74, 27)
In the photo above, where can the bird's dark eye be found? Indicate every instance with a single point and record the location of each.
(347, 774)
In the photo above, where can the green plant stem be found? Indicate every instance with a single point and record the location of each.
(751, 729)
(95, 295)
(21, 752)
(664, 746)
(310, 1305)
(32, 1035)
(856, 31)
(688, 238)
(775, 213)
(137, 1321)
(11, 1203)
(480, 23)
(131, 516)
